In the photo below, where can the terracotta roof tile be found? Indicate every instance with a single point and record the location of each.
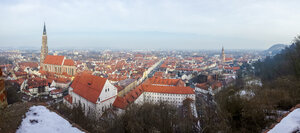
(54, 59)
(168, 89)
(68, 98)
(69, 62)
(88, 86)
(29, 64)
(120, 103)
(160, 81)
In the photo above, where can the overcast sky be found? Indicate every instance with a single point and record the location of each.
(176, 24)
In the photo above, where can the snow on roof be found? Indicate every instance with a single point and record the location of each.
(41, 120)
(288, 124)
(52, 88)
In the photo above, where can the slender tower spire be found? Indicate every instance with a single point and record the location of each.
(223, 55)
(44, 48)
(44, 31)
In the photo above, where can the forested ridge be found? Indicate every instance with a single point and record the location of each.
(260, 107)
(286, 63)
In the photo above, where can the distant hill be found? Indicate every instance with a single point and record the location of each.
(275, 49)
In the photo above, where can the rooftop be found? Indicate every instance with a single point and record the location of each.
(88, 86)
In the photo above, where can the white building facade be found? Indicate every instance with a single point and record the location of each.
(94, 94)
(170, 94)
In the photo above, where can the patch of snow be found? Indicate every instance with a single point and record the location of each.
(53, 88)
(288, 124)
(246, 93)
(39, 119)
(255, 82)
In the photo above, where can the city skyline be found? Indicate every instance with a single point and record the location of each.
(146, 25)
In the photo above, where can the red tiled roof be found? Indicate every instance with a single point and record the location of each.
(62, 80)
(158, 74)
(233, 68)
(216, 85)
(228, 59)
(69, 62)
(5, 65)
(202, 86)
(68, 98)
(54, 59)
(88, 86)
(29, 64)
(56, 91)
(119, 88)
(169, 89)
(20, 74)
(160, 81)
(120, 103)
(36, 82)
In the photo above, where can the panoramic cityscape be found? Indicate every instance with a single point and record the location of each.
(137, 66)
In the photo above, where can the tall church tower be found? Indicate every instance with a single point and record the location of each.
(223, 55)
(44, 49)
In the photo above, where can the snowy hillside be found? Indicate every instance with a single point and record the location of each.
(41, 120)
(289, 124)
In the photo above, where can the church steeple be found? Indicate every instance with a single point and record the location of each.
(44, 48)
(44, 31)
(223, 55)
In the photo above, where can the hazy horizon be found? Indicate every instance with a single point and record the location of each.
(149, 24)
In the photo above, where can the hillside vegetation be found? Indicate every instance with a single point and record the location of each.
(263, 104)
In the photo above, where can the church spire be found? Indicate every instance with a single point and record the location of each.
(223, 55)
(44, 31)
(44, 48)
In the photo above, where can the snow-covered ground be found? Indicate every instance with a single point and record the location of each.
(246, 93)
(39, 119)
(254, 82)
(289, 124)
